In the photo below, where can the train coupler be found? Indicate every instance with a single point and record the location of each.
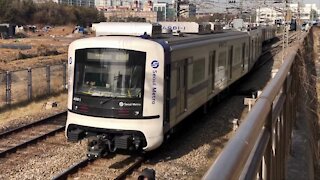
(99, 146)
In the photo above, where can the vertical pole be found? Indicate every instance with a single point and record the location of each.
(267, 161)
(8, 87)
(241, 8)
(48, 79)
(29, 83)
(288, 19)
(64, 76)
(178, 9)
(285, 32)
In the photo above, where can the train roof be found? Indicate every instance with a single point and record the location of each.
(178, 40)
(184, 38)
(175, 42)
(191, 40)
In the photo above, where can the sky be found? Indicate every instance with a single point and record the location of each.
(312, 1)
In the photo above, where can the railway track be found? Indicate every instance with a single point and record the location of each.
(21, 137)
(117, 168)
(274, 49)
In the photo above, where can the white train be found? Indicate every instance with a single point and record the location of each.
(130, 87)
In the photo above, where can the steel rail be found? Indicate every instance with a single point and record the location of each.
(261, 63)
(277, 44)
(130, 169)
(39, 122)
(85, 162)
(32, 141)
(73, 169)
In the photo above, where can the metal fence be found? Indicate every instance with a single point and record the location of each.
(260, 147)
(24, 85)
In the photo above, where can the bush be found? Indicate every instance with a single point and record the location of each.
(27, 12)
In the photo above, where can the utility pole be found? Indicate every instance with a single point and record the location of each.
(241, 8)
(298, 20)
(178, 2)
(285, 41)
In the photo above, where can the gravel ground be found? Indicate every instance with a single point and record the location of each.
(106, 168)
(43, 160)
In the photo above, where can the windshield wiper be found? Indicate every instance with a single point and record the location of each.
(107, 100)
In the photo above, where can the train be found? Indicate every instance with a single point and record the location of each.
(132, 84)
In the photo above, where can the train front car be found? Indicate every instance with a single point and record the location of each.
(115, 96)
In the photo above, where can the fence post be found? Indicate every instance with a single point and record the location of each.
(48, 79)
(8, 87)
(64, 76)
(29, 83)
(268, 161)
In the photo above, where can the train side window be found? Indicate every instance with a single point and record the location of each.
(231, 57)
(243, 54)
(178, 78)
(237, 56)
(198, 73)
(212, 60)
(222, 60)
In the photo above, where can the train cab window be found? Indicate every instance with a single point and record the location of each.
(116, 73)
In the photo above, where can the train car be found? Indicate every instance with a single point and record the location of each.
(127, 89)
(268, 33)
(293, 25)
(255, 46)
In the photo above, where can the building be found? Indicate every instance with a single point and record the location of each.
(162, 9)
(148, 6)
(166, 11)
(268, 15)
(90, 3)
(203, 14)
(44, 1)
(188, 10)
(120, 5)
(149, 16)
(307, 12)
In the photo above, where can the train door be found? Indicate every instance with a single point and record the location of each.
(230, 62)
(212, 65)
(182, 87)
(243, 56)
(251, 53)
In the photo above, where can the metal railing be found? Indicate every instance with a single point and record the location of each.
(260, 147)
(24, 85)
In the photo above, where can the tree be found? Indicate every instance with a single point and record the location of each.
(101, 17)
(4, 5)
(23, 12)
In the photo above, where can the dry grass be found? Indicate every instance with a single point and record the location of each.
(48, 49)
(33, 109)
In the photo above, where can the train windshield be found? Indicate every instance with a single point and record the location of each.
(115, 73)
